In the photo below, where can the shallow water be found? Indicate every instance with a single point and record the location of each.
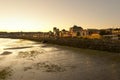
(29, 60)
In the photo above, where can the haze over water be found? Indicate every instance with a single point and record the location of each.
(29, 60)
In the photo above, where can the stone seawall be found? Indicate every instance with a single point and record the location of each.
(95, 44)
(103, 45)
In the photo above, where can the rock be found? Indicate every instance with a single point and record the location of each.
(6, 53)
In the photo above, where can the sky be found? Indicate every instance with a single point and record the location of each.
(43, 15)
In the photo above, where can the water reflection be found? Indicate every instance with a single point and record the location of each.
(34, 61)
(17, 48)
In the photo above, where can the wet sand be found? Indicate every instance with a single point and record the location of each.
(17, 48)
(52, 62)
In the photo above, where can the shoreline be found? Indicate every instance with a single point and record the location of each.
(93, 44)
(101, 45)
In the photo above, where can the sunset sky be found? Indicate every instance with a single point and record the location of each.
(43, 15)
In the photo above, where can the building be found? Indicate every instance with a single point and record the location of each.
(116, 31)
(56, 32)
(76, 31)
(64, 33)
(84, 32)
(51, 34)
(95, 36)
(110, 33)
(93, 31)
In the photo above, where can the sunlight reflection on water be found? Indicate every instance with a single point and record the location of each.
(52, 62)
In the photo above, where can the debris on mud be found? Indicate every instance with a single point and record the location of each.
(5, 73)
(49, 67)
(27, 68)
(29, 54)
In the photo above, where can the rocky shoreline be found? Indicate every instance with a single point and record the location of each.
(95, 44)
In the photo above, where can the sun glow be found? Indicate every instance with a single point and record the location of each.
(17, 24)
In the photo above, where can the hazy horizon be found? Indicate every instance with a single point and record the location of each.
(43, 15)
